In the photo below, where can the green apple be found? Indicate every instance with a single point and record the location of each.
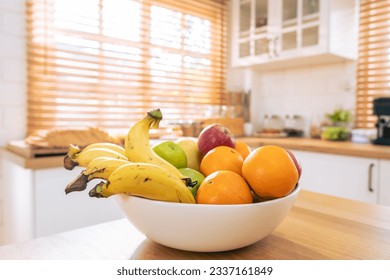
(171, 152)
(195, 176)
(190, 147)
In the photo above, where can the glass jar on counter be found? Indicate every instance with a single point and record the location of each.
(272, 124)
(293, 126)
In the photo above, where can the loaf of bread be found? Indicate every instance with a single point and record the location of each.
(61, 138)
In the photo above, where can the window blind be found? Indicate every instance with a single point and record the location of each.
(105, 63)
(373, 69)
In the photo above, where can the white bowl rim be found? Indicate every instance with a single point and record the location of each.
(296, 189)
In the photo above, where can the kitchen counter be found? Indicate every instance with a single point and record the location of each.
(17, 151)
(318, 227)
(322, 146)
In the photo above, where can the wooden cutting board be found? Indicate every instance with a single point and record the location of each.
(235, 125)
(21, 148)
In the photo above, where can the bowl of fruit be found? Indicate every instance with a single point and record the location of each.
(205, 194)
(206, 227)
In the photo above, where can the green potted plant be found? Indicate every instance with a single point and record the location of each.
(339, 125)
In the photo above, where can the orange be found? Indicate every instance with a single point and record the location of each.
(221, 158)
(270, 171)
(224, 187)
(243, 148)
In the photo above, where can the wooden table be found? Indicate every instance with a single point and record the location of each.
(318, 227)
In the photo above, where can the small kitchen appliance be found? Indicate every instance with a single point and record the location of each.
(382, 110)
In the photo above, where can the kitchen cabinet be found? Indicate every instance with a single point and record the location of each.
(35, 203)
(279, 33)
(56, 212)
(384, 182)
(344, 176)
(1, 223)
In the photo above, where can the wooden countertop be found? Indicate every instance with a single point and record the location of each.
(18, 152)
(323, 146)
(318, 227)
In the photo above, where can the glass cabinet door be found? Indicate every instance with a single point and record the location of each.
(261, 13)
(260, 47)
(244, 49)
(290, 11)
(310, 22)
(310, 7)
(300, 24)
(245, 18)
(253, 21)
(244, 28)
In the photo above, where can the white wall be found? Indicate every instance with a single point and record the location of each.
(12, 77)
(12, 71)
(309, 91)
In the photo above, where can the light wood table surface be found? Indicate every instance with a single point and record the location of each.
(318, 227)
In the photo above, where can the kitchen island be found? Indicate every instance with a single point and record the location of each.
(318, 227)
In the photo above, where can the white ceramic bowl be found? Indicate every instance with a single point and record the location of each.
(205, 228)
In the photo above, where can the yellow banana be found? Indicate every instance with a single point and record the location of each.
(100, 167)
(137, 144)
(106, 145)
(103, 167)
(75, 157)
(144, 180)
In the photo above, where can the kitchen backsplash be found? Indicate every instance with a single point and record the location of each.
(308, 91)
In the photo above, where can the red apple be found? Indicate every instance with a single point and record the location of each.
(215, 135)
(296, 162)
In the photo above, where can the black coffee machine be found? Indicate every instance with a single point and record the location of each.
(382, 110)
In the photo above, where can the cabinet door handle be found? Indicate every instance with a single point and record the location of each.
(370, 168)
(269, 42)
(276, 50)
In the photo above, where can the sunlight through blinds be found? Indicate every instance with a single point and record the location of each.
(105, 63)
(373, 71)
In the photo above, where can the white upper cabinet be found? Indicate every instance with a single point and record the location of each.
(279, 33)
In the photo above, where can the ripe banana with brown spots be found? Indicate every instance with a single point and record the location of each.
(144, 180)
(98, 168)
(138, 149)
(78, 157)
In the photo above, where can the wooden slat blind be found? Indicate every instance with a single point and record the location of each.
(105, 63)
(373, 71)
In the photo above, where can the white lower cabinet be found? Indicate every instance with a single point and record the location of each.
(35, 203)
(384, 182)
(56, 212)
(350, 177)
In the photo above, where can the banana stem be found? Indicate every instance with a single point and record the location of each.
(78, 184)
(95, 191)
(156, 116)
(189, 183)
(69, 164)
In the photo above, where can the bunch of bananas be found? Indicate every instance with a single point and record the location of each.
(134, 169)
